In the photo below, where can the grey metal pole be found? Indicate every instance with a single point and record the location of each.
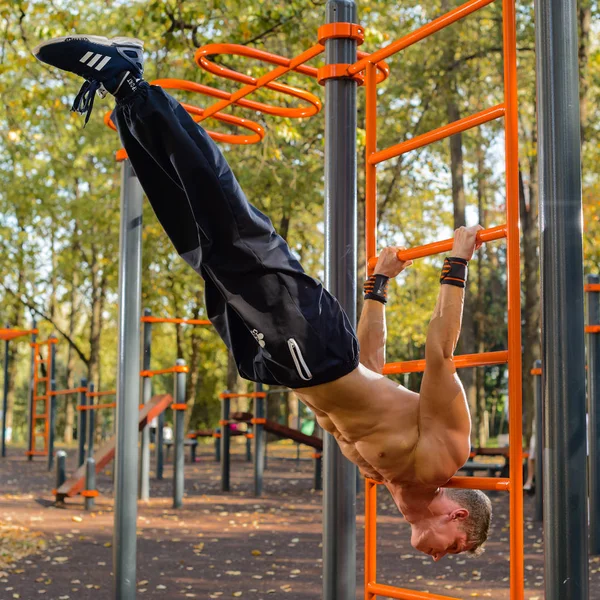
(225, 444)
(179, 437)
(339, 500)
(298, 427)
(5, 394)
(52, 400)
(318, 474)
(82, 424)
(561, 258)
(259, 442)
(218, 448)
(144, 483)
(593, 361)
(539, 444)
(160, 446)
(91, 425)
(61, 470)
(128, 387)
(90, 482)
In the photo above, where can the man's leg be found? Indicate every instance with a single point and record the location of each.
(280, 324)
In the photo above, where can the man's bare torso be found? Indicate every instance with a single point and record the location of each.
(376, 420)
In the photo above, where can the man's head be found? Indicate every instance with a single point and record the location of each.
(459, 522)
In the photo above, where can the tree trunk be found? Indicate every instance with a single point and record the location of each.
(233, 381)
(193, 379)
(585, 21)
(528, 208)
(71, 400)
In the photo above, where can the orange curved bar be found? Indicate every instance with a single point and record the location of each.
(98, 394)
(248, 395)
(483, 359)
(67, 392)
(387, 591)
(175, 320)
(485, 235)
(592, 328)
(11, 334)
(500, 484)
(592, 287)
(489, 114)
(420, 34)
(174, 369)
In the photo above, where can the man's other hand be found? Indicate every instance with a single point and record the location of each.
(465, 242)
(389, 264)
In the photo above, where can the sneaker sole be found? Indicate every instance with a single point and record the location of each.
(96, 39)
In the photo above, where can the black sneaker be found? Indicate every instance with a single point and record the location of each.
(106, 65)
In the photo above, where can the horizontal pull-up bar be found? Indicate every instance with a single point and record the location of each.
(97, 406)
(489, 114)
(97, 394)
(592, 287)
(176, 321)
(174, 369)
(420, 34)
(485, 235)
(500, 484)
(67, 392)
(248, 395)
(592, 328)
(387, 591)
(11, 334)
(482, 359)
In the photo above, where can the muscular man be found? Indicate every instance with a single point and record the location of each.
(281, 325)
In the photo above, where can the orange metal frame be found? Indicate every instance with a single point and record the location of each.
(370, 70)
(42, 416)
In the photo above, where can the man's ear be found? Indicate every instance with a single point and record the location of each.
(460, 514)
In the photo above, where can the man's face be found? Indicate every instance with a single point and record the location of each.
(440, 536)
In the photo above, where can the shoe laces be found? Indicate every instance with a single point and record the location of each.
(84, 101)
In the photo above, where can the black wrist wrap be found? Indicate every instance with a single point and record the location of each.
(454, 272)
(376, 288)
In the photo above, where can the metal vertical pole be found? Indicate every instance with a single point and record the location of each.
(160, 447)
(91, 424)
(225, 444)
(61, 468)
(539, 442)
(339, 501)
(144, 483)
(128, 387)
(179, 437)
(90, 482)
(5, 395)
(32, 392)
(259, 442)
(298, 427)
(561, 256)
(52, 401)
(82, 424)
(593, 361)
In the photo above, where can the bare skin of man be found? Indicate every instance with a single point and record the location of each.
(413, 443)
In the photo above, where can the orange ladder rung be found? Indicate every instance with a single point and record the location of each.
(462, 361)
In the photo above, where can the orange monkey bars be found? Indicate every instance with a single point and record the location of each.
(11, 334)
(174, 320)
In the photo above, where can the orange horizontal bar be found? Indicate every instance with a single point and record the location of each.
(65, 392)
(592, 328)
(258, 421)
(387, 591)
(462, 361)
(500, 484)
(11, 334)
(421, 33)
(180, 406)
(248, 395)
(489, 114)
(90, 493)
(174, 369)
(42, 397)
(485, 235)
(36, 453)
(97, 406)
(536, 371)
(174, 320)
(592, 287)
(97, 394)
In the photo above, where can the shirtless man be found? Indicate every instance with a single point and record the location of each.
(281, 325)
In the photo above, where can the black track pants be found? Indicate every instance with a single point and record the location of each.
(281, 325)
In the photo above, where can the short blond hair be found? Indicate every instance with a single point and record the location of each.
(477, 524)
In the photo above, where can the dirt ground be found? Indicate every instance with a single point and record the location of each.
(228, 545)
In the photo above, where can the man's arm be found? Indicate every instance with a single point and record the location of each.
(444, 419)
(371, 326)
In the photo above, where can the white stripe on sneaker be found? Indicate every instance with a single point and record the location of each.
(102, 63)
(85, 56)
(94, 60)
